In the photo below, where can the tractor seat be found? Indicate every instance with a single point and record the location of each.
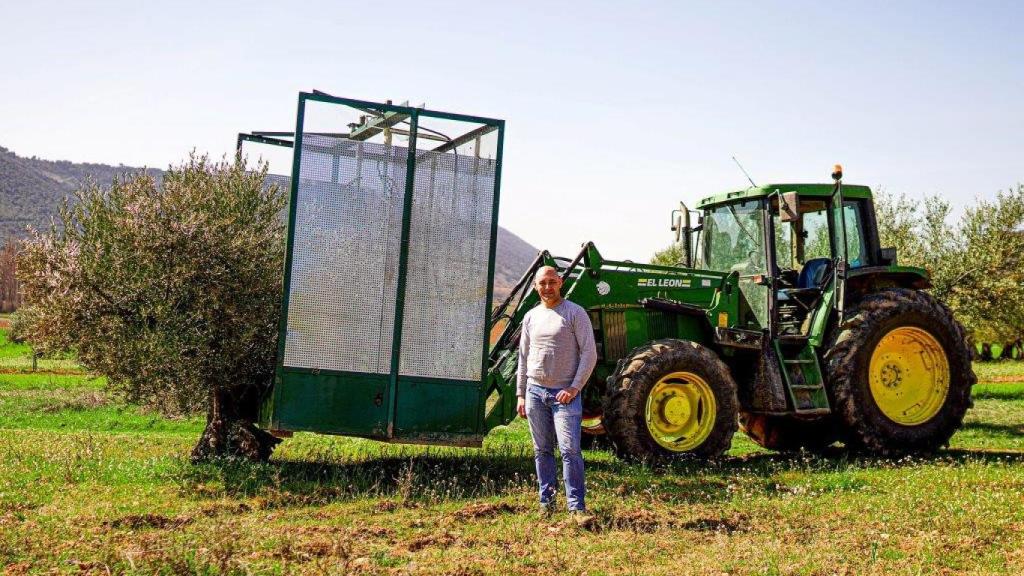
(808, 284)
(814, 273)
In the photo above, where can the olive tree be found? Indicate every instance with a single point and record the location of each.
(976, 264)
(172, 290)
(986, 287)
(672, 255)
(922, 236)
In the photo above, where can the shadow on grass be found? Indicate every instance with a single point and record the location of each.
(438, 477)
(996, 430)
(998, 391)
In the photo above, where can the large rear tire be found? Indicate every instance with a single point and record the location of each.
(671, 398)
(788, 433)
(899, 372)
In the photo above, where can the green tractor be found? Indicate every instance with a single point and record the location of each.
(785, 317)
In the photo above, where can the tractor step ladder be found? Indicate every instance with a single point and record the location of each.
(803, 377)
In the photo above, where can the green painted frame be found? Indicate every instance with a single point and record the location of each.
(273, 407)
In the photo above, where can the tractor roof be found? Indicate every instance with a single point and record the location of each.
(849, 191)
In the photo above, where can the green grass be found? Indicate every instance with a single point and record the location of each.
(1000, 370)
(17, 358)
(89, 484)
(9, 349)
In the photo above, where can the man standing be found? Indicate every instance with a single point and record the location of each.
(556, 356)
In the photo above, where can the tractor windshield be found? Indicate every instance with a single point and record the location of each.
(734, 238)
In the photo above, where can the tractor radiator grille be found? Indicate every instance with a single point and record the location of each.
(660, 325)
(614, 328)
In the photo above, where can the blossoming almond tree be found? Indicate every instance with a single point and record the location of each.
(172, 290)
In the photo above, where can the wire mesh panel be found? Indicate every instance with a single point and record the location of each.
(446, 287)
(389, 267)
(347, 230)
(284, 183)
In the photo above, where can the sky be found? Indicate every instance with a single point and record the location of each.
(615, 111)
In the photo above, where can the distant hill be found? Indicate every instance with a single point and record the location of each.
(31, 190)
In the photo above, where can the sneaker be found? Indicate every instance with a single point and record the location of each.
(582, 518)
(547, 510)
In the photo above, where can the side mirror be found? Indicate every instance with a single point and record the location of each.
(887, 256)
(677, 224)
(789, 207)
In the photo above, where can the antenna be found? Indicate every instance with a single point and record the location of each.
(744, 172)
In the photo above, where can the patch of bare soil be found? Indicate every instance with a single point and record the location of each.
(638, 521)
(442, 539)
(484, 510)
(1001, 379)
(372, 532)
(49, 372)
(645, 521)
(225, 509)
(273, 499)
(725, 525)
(137, 521)
(17, 569)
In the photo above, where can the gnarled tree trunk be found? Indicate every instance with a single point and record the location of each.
(230, 429)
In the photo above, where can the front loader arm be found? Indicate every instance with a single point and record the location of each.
(697, 299)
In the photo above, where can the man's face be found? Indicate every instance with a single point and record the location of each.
(549, 286)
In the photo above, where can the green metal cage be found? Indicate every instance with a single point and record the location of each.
(392, 230)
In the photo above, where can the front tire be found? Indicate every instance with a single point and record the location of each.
(671, 398)
(899, 370)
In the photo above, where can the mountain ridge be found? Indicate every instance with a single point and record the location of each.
(32, 189)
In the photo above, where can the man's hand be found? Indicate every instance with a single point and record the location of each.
(567, 395)
(521, 407)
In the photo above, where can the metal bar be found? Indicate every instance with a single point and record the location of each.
(350, 374)
(466, 138)
(354, 103)
(576, 261)
(422, 135)
(377, 125)
(292, 134)
(403, 265)
(771, 266)
(524, 279)
(398, 131)
(461, 168)
(262, 139)
(490, 270)
(282, 330)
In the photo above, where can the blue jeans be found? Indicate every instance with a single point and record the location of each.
(550, 420)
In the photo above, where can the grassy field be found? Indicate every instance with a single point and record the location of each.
(88, 484)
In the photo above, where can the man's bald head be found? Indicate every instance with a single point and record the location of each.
(547, 271)
(548, 284)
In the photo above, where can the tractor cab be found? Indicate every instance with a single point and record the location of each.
(791, 246)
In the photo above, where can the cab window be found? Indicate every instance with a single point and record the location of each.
(798, 241)
(809, 238)
(733, 238)
(856, 247)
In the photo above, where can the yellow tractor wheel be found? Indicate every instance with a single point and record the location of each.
(671, 398)
(899, 373)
